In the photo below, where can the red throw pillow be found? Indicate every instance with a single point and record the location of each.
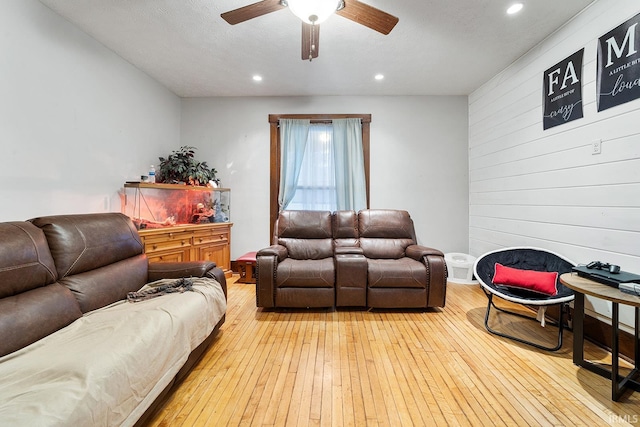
(543, 282)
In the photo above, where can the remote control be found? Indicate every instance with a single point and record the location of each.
(613, 269)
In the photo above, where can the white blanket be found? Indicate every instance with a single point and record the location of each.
(107, 367)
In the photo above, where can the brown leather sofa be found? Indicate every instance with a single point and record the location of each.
(57, 272)
(346, 259)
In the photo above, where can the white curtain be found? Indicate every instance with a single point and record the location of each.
(293, 141)
(351, 190)
(322, 165)
(316, 188)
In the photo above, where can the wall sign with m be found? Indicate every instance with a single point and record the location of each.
(618, 79)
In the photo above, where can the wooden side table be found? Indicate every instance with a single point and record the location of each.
(583, 286)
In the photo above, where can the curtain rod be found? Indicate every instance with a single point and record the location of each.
(317, 122)
(319, 118)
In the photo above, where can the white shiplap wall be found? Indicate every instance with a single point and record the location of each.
(542, 188)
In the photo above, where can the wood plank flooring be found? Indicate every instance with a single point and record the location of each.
(389, 368)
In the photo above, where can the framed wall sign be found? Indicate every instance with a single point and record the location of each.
(618, 79)
(563, 91)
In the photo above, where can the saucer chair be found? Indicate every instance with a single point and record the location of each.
(523, 277)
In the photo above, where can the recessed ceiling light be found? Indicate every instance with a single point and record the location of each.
(514, 8)
(378, 77)
(257, 78)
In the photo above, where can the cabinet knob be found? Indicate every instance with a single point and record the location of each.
(171, 235)
(154, 247)
(221, 236)
(182, 242)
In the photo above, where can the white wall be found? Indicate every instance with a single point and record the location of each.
(418, 158)
(545, 188)
(76, 120)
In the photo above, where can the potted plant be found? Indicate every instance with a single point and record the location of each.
(181, 166)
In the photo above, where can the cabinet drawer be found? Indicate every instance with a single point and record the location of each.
(190, 243)
(210, 236)
(167, 241)
(168, 256)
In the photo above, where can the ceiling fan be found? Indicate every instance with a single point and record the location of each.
(314, 12)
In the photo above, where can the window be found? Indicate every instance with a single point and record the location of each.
(320, 142)
(316, 189)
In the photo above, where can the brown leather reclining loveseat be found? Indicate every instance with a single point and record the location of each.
(73, 351)
(346, 259)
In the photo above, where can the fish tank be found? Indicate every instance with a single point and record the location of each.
(167, 205)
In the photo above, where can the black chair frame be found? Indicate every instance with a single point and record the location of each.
(528, 258)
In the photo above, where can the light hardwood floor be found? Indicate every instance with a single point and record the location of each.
(377, 368)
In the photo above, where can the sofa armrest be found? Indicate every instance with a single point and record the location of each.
(177, 270)
(267, 260)
(279, 251)
(217, 274)
(418, 252)
(351, 278)
(348, 250)
(436, 270)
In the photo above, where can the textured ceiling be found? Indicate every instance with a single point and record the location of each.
(439, 47)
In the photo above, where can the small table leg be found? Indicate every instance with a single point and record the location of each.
(578, 329)
(615, 353)
(620, 384)
(636, 347)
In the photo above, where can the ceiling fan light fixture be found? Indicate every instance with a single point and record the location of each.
(313, 11)
(515, 8)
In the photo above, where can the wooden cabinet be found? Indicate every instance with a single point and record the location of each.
(211, 242)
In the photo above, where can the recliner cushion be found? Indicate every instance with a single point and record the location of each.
(384, 248)
(386, 224)
(302, 249)
(25, 260)
(306, 273)
(345, 229)
(105, 285)
(385, 233)
(99, 257)
(304, 225)
(305, 234)
(397, 273)
(84, 242)
(29, 316)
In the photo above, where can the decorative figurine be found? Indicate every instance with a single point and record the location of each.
(202, 215)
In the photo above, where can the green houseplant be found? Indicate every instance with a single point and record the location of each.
(181, 166)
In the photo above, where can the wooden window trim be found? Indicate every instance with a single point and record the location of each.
(275, 153)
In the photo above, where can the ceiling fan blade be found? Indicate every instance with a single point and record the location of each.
(368, 16)
(251, 11)
(310, 41)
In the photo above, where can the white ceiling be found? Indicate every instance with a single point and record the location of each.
(439, 47)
